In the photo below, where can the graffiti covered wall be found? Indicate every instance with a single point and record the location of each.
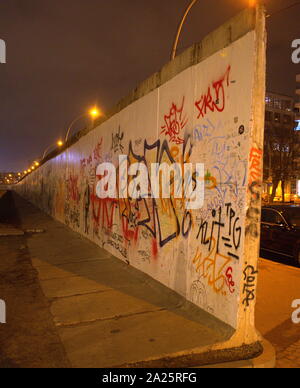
(202, 115)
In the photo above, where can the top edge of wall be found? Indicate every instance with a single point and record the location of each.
(229, 32)
(220, 38)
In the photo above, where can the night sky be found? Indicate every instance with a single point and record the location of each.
(64, 56)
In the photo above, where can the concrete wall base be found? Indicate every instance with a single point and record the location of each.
(267, 360)
(257, 356)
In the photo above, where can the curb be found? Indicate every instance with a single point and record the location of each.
(267, 360)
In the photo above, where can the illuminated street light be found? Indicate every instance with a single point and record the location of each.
(59, 143)
(94, 113)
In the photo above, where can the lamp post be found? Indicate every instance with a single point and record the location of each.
(252, 3)
(190, 6)
(59, 144)
(94, 113)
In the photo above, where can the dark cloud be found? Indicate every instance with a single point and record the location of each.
(65, 55)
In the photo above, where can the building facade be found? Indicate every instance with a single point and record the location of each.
(297, 128)
(279, 156)
(297, 103)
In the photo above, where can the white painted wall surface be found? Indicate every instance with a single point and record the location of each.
(168, 244)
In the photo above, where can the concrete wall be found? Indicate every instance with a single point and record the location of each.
(205, 107)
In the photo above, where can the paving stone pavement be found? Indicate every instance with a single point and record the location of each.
(278, 287)
(290, 357)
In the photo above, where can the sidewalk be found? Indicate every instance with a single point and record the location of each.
(29, 337)
(278, 287)
(107, 314)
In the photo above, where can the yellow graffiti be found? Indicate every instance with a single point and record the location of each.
(212, 268)
(213, 181)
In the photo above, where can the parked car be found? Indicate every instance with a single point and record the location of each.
(280, 231)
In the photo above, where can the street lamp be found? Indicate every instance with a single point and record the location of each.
(252, 3)
(94, 113)
(190, 6)
(59, 143)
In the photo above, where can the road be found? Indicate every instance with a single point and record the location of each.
(278, 287)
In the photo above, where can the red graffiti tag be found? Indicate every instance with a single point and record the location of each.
(97, 150)
(214, 99)
(175, 122)
(73, 188)
(255, 167)
(103, 211)
(229, 280)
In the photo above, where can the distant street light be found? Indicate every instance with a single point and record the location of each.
(94, 113)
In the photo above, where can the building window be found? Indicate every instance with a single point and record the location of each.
(287, 119)
(287, 105)
(269, 116)
(269, 101)
(277, 118)
(277, 104)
